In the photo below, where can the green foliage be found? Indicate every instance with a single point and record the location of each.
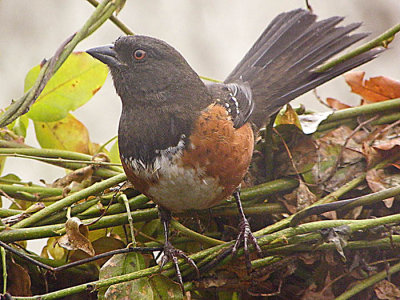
(77, 80)
(123, 264)
(67, 134)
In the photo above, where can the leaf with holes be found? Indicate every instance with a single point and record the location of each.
(77, 80)
(121, 264)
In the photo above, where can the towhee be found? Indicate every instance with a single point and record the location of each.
(187, 144)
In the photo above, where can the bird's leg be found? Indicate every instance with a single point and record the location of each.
(245, 234)
(170, 252)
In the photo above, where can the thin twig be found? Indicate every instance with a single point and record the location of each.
(79, 262)
(290, 155)
(61, 160)
(4, 267)
(124, 28)
(320, 99)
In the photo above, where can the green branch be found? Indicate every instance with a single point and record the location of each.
(61, 158)
(22, 105)
(370, 281)
(115, 20)
(372, 108)
(380, 41)
(269, 241)
(69, 200)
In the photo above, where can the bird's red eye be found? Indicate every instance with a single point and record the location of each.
(139, 54)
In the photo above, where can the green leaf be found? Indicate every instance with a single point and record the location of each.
(66, 134)
(19, 126)
(288, 116)
(165, 288)
(77, 80)
(114, 153)
(121, 264)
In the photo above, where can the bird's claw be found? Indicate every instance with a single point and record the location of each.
(172, 254)
(246, 236)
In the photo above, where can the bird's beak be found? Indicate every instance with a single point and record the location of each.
(106, 54)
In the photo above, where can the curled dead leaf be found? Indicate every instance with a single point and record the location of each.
(338, 236)
(76, 176)
(76, 237)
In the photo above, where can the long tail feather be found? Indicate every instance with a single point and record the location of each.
(281, 64)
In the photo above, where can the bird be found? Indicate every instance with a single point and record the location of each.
(187, 143)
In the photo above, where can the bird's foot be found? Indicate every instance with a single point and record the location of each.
(172, 254)
(246, 236)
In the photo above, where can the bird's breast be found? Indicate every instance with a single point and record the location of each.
(201, 173)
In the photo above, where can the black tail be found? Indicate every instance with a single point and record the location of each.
(280, 65)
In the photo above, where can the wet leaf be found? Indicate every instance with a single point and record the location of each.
(304, 196)
(304, 154)
(313, 293)
(310, 122)
(77, 80)
(66, 134)
(76, 237)
(379, 180)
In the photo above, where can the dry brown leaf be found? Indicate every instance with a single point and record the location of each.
(314, 293)
(375, 89)
(376, 180)
(371, 154)
(304, 196)
(386, 144)
(76, 237)
(76, 176)
(309, 258)
(304, 154)
(386, 290)
(19, 281)
(329, 170)
(336, 104)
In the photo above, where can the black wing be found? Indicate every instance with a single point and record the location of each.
(236, 98)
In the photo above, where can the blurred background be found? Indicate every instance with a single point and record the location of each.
(212, 35)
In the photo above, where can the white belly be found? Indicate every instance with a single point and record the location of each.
(182, 188)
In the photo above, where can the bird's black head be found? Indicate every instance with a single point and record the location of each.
(142, 66)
